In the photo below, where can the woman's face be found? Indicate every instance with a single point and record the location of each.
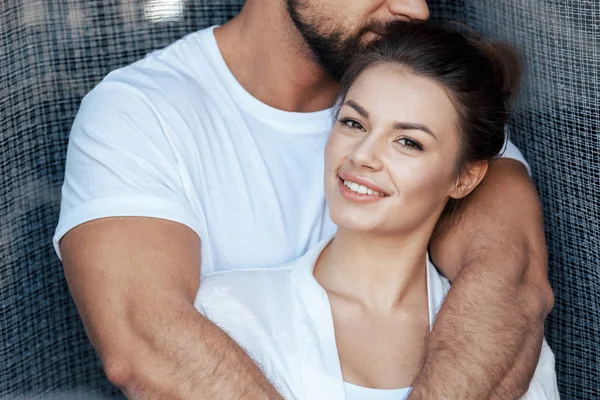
(390, 159)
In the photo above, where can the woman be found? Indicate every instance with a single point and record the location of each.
(420, 117)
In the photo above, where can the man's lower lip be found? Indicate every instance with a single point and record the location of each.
(356, 197)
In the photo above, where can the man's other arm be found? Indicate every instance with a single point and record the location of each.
(134, 281)
(486, 340)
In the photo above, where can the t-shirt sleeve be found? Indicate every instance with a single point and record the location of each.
(511, 151)
(121, 161)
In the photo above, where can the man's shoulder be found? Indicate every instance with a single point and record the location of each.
(163, 94)
(168, 74)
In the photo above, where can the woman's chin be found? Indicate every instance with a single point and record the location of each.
(357, 225)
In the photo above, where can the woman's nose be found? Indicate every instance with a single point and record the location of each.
(366, 154)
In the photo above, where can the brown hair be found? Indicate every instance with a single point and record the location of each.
(481, 78)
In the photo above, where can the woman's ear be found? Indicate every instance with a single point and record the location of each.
(468, 179)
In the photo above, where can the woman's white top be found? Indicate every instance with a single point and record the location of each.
(282, 318)
(354, 392)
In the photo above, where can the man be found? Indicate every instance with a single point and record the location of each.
(207, 156)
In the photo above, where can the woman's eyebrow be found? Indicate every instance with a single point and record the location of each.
(359, 109)
(412, 126)
(397, 125)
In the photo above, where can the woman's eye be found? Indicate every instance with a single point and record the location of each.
(351, 123)
(410, 144)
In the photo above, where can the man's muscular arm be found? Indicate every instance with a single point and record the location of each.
(134, 281)
(486, 340)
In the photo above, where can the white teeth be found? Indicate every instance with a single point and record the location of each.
(355, 187)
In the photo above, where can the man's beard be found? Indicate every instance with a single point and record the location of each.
(332, 51)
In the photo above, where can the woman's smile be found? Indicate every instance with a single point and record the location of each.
(358, 193)
(359, 189)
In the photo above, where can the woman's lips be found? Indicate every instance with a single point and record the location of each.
(347, 176)
(357, 197)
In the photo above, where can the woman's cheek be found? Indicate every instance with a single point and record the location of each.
(328, 152)
(416, 178)
(335, 149)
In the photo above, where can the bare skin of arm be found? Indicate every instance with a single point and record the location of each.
(134, 281)
(487, 338)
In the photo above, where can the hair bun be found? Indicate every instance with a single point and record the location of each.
(507, 67)
(504, 58)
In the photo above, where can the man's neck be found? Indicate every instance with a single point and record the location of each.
(268, 57)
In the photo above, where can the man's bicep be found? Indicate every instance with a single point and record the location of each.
(121, 162)
(126, 272)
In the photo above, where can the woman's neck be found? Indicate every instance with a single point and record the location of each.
(378, 271)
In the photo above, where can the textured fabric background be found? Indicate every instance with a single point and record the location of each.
(52, 52)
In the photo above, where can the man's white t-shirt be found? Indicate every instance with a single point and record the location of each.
(282, 318)
(175, 136)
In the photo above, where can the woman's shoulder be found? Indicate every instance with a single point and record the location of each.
(257, 284)
(260, 274)
(248, 285)
(255, 308)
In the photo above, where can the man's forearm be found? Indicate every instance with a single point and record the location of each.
(516, 381)
(190, 359)
(481, 344)
(134, 281)
(486, 338)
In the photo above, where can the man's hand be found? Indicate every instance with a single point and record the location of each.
(486, 340)
(134, 281)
